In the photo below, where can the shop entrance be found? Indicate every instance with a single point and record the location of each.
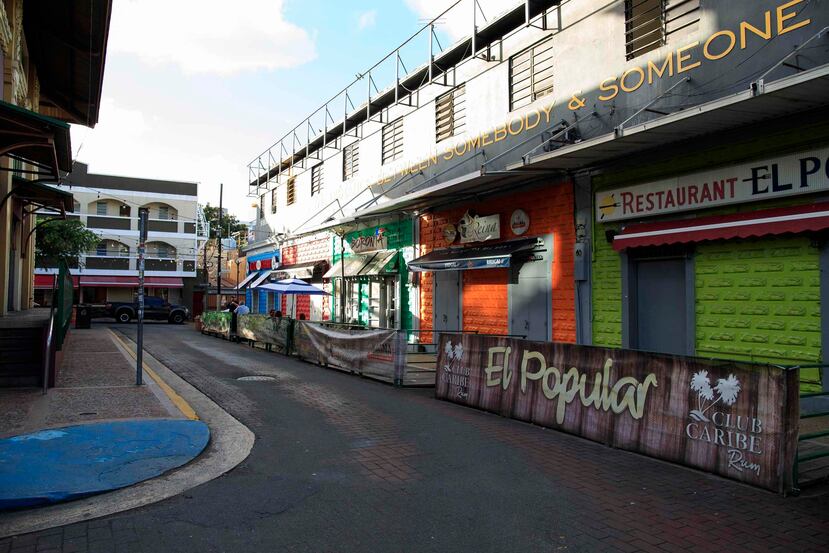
(447, 301)
(530, 297)
(660, 304)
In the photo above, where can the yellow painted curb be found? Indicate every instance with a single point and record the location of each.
(177, 400)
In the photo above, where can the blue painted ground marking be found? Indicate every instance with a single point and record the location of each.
(76, 461)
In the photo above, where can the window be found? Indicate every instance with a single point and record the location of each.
(531, 75)
(393, 141)
(101, 250)
(351, 160)
(101, 208)
(316, 179)
(450, 113)
(76, 206)
(124, 210)
(163, 212)
(262, 206)
(291, 190)
(649, 23)
(162, 250)
(273, 200)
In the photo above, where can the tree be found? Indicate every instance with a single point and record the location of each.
(229, 223)
(67, 239)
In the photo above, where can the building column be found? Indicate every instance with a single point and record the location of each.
(582, 255)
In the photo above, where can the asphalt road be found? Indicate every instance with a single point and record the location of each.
(343, 463)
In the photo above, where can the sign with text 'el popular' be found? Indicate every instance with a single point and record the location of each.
(735, 419)
(774, 177)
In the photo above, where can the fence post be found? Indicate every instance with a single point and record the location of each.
(399, 358)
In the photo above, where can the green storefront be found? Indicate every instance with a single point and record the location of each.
(721, 253)
(369, 276)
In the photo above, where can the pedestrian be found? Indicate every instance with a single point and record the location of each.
(242, 309)
(302, 316)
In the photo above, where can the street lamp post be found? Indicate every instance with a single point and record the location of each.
(238, 262)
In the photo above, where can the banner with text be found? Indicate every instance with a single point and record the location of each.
(790, 175)
(737, 420)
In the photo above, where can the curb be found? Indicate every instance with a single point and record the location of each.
(230, 443)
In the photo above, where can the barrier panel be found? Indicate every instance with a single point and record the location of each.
(375, 353)
(267, 330)
(738, 420)
(216, 322)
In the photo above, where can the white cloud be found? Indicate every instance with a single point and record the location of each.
(209, 36)
(367, 20)
(125, 142)
(457, 23)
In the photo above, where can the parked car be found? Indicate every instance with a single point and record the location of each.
(154, 309)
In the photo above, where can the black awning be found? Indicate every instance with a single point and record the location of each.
(36, 139)
(67, 40)
(42, 195)
(492, 256)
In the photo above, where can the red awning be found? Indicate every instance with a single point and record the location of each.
(163, 282)
(131, 281)
(785, 220)
(45, 282)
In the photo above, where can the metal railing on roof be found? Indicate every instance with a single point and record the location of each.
(337, 117)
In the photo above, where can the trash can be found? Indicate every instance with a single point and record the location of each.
(83, 316)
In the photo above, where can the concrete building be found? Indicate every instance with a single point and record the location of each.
(108, 205)
(497, 184)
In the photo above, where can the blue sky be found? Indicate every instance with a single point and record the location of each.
(197, 94)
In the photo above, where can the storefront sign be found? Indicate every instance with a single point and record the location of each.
(735, 419)
(365, 244)
(449, 233)
(790, 175)
(474, 228)
(519, 222)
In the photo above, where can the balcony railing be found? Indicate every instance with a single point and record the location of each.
(114, 223)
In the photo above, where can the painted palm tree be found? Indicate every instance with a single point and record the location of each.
(726, 389)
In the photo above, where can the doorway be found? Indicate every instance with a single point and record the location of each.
(447, 301)
(661, 305)
(530, 297)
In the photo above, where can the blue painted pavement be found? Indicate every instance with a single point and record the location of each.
(75, 461)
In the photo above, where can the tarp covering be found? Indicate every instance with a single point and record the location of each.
(369, 352)
(267, 330)
(490, 256)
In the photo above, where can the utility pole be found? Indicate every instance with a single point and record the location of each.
(219, 239)
(143, 215)
(206, 277)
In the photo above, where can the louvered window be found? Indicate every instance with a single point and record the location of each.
(649, 23)
(393, 141)
(351, 160)
(101, 208)
(262, 206)
(316, 179)
(273, 200)
(163, 212)
(291, 188)
(531, 75)
(450, 113)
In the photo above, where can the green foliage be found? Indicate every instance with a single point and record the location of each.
(68, 240)
(229, 223)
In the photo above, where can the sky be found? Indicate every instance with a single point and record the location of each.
(196, 93)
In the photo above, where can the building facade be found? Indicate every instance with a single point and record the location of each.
(108, 205)
(39, 63)
(575, 124)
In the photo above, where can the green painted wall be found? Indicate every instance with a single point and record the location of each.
(758, 300)
(400, 236)
(607, 293)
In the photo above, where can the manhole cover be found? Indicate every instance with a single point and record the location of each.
(257, 378)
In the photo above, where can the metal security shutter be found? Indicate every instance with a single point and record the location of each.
(450, 113)
(316, 179)
(393, 141)
(351, 160)
(291, 190)
(531, 75)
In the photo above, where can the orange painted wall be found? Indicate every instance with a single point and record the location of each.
(485, 307)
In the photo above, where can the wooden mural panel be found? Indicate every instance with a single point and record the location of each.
(734, 419)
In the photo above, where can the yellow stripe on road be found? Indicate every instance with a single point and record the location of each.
(177, 400)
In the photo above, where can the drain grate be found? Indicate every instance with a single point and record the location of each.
(256, 378)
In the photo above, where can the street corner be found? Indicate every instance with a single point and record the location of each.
(62, 464)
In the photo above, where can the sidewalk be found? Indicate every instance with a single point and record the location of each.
(95, 431)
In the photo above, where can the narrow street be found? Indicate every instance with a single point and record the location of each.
(342, 463)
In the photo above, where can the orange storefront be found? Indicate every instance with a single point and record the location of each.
(531, 292)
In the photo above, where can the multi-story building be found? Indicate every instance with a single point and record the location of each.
(646, 174)
(108, 205)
